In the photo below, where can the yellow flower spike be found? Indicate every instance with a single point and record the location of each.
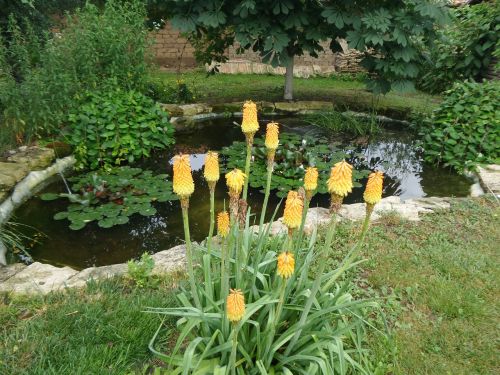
(235, 305)
(183, 179)
(211, 170)
(340, 181)
(373, 191)
(272, 133)
(235, 180)
(250, 124)
(311, 179)
(292, 216)
(286, 264)
(223, 224)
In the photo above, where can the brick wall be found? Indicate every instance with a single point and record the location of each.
(171, 50)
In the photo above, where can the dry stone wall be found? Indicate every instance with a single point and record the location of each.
(172, 51)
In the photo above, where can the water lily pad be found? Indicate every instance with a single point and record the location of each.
(49, 197)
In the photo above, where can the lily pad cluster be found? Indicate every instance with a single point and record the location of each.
(111, 197)
(294, 155)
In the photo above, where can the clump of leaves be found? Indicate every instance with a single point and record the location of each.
(465, 128)
(346, 123)
(110, 198)
(116, 126)
(140, 270)
(292, 157)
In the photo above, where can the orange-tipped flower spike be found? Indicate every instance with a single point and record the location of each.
(235, 305)
(235, 180)
(311, 179)
(373, 191)
(250, 124)
(211, 170)
(340, 181)
(272, 134)
(286, 264)
(292, 216)
(223, 224)
(183, 179)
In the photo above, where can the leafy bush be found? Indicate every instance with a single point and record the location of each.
(465, 48)
(295, 153)
(465, 128)
(115, 126)
(140, 270)
(344, 122)
(110, 198)
(178, 94)
(41, 80)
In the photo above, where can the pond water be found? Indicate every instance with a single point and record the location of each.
(392, 151)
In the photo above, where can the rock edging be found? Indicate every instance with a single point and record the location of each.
(44, 278)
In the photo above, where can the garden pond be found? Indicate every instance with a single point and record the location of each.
(391, 150)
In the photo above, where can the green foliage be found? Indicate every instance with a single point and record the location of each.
(13, 240)
(110, 198)
(280, 30)
(114, 126)
(178, 93)
(465, 48)
(346, 123)
(140, 270)
(465, 129)
(42, 78)
(292, 157)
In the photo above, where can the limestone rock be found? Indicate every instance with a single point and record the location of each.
(195, 109)
(36, 158)
(11, 173)
(38, 278)
(96, 273)
(8, 271)
(172, 109)
(489, 177)
(316, 217)
(170, 260)
(293, 107)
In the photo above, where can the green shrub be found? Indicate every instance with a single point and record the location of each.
(42, 80)
(465, 129)
(178, 94)
(114, 126)
(465, 48)
(346, 123)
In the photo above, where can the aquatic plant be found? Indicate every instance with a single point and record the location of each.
(290, 161)
(269, 305)
(110, 198)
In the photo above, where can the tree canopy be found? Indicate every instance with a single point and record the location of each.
(390, 32)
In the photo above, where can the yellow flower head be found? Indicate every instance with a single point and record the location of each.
(373, 191)
(311, 179)
(183, 180)
(235, 305)
(235, 180)
(211, 170)
(272, 133)
(340, 181)
(286, 264)
(292, 216)
(250, 124)
(223, 224)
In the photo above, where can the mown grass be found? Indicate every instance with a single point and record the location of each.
(438, 281)
(343, 92)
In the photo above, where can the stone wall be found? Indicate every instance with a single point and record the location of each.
(172, 52)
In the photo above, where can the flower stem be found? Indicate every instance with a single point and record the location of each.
(212, 219)
(232, 358)
(247, 167)
(189, 255)
(267, 192)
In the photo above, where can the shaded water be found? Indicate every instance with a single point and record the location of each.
(392, 151)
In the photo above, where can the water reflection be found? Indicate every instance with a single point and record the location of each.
(393, 152)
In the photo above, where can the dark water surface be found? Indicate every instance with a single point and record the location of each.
(392, 151)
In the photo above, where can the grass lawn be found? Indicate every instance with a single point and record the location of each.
(344, 92)
(439, 280)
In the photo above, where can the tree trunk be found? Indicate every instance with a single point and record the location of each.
(288, 95)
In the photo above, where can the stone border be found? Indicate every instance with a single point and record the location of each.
(39, 278)
(184, 116)
(27, 174)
